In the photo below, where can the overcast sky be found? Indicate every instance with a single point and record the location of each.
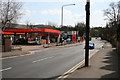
(49, 12)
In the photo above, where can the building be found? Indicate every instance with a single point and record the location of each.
(19, 34)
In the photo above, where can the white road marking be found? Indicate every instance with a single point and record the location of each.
(6, 69)
(33, 52)
(42, 59)
(9, 57)
(30, 53)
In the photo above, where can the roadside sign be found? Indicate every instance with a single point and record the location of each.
(73, 32)
(74, 38)
(43, 42)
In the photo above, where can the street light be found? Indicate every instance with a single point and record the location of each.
(62, 13)
(87, 8)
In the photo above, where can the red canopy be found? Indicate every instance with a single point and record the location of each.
(46, 34)
(33, 30)
(11, 33)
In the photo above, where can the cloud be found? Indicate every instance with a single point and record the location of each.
(97, 18)
(104, 0)
(51, 12)
(39, 23)
(68, 17)
(27, 12)
(63, 0)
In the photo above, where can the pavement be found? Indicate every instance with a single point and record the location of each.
(20, 50)
(104, 65)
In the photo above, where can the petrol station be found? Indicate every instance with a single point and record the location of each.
(42, 35)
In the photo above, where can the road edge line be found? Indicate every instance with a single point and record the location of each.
(19, 55)
(65, 75)
(5, 69)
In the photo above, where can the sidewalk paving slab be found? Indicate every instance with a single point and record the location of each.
(104, 65)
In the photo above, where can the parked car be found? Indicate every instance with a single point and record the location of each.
(20, 41)
(68, 40)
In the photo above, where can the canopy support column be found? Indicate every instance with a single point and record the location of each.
(25, 36)
(40, 39)
(14, 37)
(48, 38)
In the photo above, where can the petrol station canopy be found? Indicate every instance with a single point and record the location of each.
(34, 30)
(12, 29)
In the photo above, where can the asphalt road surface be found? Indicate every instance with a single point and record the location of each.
(51, 63)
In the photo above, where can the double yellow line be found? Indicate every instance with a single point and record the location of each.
(66, 74)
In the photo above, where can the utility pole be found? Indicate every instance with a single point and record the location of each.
(87, 8)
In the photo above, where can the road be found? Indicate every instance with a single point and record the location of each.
(51, 63)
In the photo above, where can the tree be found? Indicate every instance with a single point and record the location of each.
(10, 12)
(66, 28)
(113, 12)
(52, 24)
(29, 24)
(113, 15)
(96, 31)
(80, 27)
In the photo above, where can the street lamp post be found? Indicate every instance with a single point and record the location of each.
(87, 33)
(62, 13)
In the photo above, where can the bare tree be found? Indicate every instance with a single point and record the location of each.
(52, 23)
(118, 12)
(113, 13)
(0, 10)
(28, 24)
(113, 16)
(10, 12)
